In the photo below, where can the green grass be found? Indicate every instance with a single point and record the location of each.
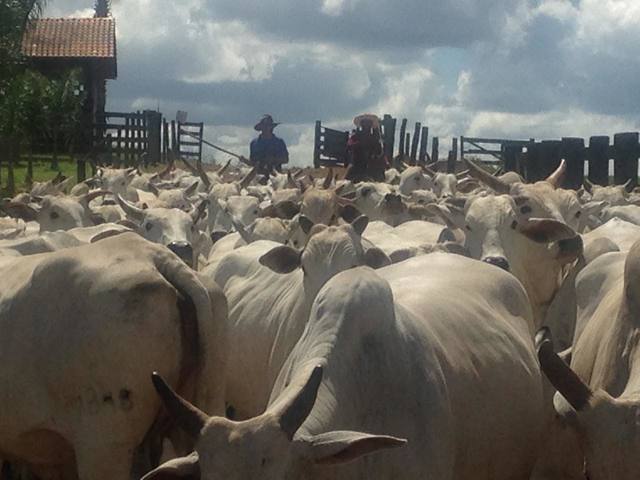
(41, 172)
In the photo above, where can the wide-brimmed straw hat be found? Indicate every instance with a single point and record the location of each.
(367, 116)
(265, 122)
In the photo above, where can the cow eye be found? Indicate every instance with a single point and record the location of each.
(417, 179)
(578, 213)
(54, 215)
(148, 226)
(255, 212)
(365, 192)
(468, 227)
(514, 224)
(525, 209)
(123, 184)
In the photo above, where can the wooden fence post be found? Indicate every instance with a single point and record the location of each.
(403, 129)
(598, 155)
(424, 138)
(548, 159)
(453, 156)
(407, 144)
(434, 151)
(316, 145)
(573, 152)
(414, 143)
(510, 156)
(625, 160)
(388, 135)
(154, 139)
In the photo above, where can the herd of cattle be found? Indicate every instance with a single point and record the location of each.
(434, 326)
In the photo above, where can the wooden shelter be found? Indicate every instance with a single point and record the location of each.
(56, 44)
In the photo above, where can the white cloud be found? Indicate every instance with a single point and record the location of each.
(512, 68)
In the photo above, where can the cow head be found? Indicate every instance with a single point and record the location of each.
(116, 180)
(171, 227)
(267, 447)
(176, 197)
(328, 251)
(413, 178)
(501, 230)
(612, 194)
(445, 184)
(56, 212)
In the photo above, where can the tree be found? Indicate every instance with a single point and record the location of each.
(62, 100)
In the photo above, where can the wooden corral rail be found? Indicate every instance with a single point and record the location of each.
(125, 137)
(190, 140)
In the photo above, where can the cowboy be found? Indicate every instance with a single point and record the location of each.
(268, 152)
(365, 150)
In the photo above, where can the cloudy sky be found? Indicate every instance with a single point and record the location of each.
(499, 68)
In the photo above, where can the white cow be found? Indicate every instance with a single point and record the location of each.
(57, 212)
(277, 309)
(502, 233)
(401, 355)
(80, 330)
(597, 410)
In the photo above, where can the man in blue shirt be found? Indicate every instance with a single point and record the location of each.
(268, 152)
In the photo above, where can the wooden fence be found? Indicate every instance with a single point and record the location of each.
(535, 160)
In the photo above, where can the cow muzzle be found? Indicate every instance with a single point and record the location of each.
(500, 262)
(182, 250)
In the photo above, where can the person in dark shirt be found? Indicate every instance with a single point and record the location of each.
(268, 152)
(364, 148)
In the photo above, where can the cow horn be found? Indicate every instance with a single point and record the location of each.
(190, 418)
(628, 186)
(426, 169)
(556, 178)
(588, 186)
(494, 183)
(129, 209)
(298, 405)
(203, 176)
(565, 380)
(153, 189)
(190, 167)
(462, 174)
(326, 185)
(224, 168)
(167, 170)
(198, 212)
(87, 197)
(244, 183)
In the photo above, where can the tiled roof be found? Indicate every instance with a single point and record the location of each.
(71, 37)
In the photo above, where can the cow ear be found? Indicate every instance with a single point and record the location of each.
(282, 259)
(376, 258)
(183, 468)
(336, 447)
(360, 224)
(570, 249)
(191, 189)
(545, 230)
(305, 224)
